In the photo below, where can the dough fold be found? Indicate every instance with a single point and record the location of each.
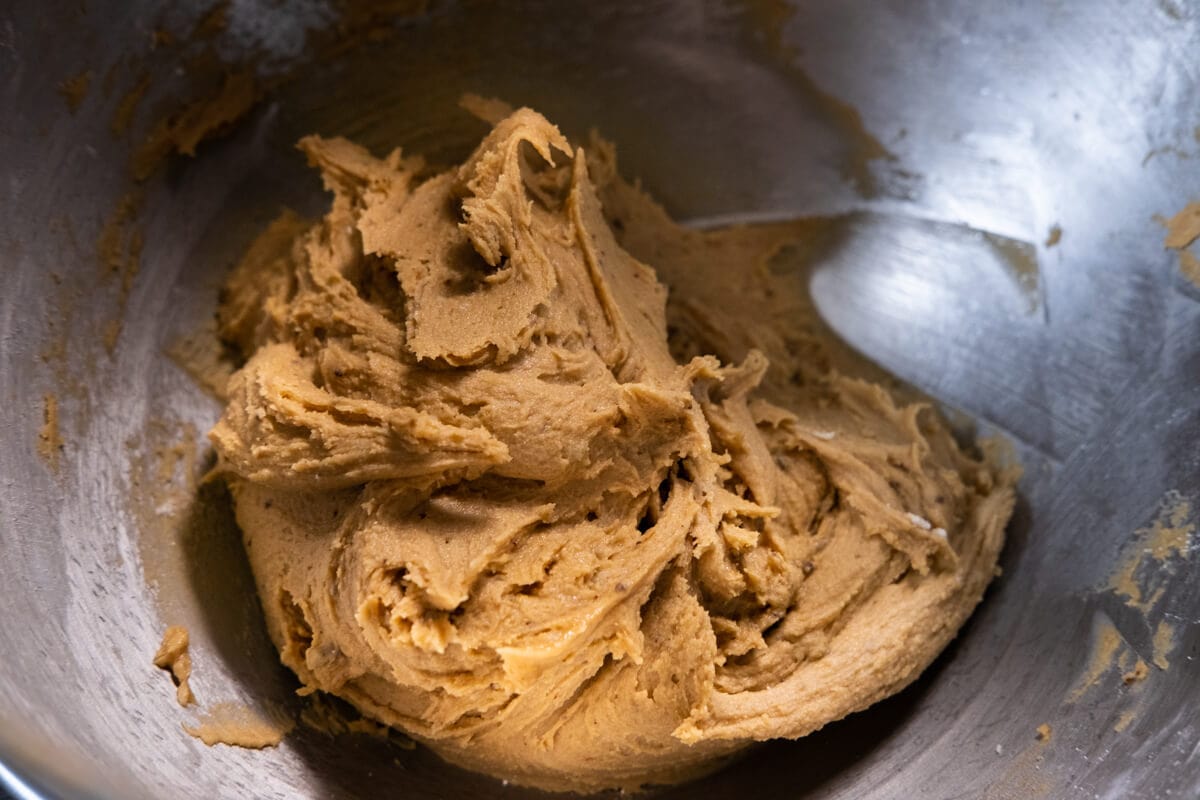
(501, 491)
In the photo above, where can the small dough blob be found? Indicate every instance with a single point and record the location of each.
(501, 490)
(173, 656)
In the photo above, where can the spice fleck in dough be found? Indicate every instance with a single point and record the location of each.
(504, 492)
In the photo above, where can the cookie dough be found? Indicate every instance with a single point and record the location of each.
(503, 490)
(173, 656)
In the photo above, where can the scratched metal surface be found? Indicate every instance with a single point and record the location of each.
(980, 128)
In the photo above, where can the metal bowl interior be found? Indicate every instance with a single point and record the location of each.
(958, 136)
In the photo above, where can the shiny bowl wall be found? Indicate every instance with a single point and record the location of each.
(1001, 166)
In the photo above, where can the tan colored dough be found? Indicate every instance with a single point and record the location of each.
(239, 725)
(173, 656)
(503, 492)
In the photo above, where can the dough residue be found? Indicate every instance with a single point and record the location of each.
(1189, 265)
(1183, 230)
(1164, 643)
(120, 249)
(75, 88)
(1125, 719)
(1184, 227)
(239, 725)
(1107, 643)
(182, 131)
(505, 491)
(50, 442)
(173, 656)
(1137, 674)
(1111, 652)
(1153, 554)
(124, 113)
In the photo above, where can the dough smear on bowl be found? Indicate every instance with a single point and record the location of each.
(576, 496)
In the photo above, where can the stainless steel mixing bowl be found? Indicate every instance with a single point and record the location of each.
(960, 134)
